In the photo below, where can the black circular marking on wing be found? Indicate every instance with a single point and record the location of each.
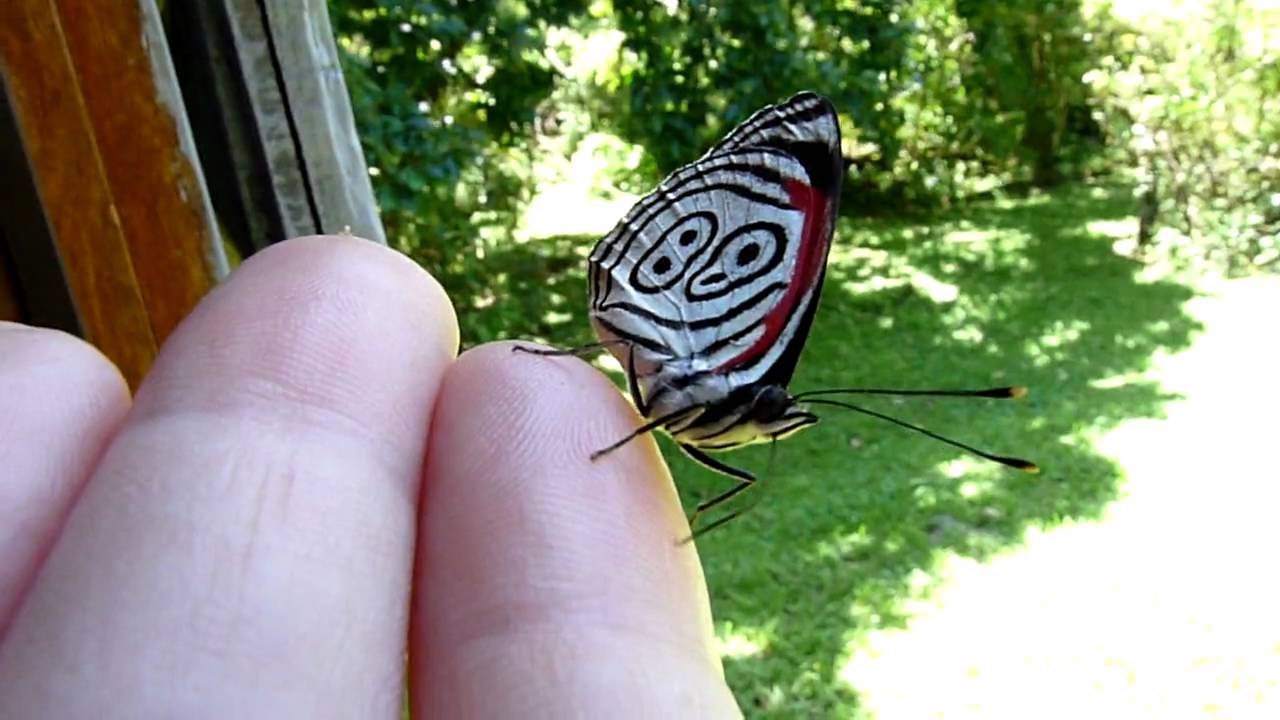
(665, 263)
(762, 244)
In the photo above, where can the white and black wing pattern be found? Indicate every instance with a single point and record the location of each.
(707, 288)
(721, 266)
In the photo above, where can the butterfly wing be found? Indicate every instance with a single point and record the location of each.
(721, 266)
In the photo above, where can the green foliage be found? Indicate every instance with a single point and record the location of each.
(1031, 55)
(852, 515)
(939, 97)
(466, 108)
(696, 68)
(445, 96)
(1196, 110)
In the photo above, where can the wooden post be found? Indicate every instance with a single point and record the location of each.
(274, 124)
(107, 222)
(106, 141)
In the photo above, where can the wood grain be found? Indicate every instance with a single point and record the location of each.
(105, 133)
(130, 92)
(59, 140)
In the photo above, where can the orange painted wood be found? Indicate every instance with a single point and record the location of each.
(158, 194)
(59, 140)
(103, 126)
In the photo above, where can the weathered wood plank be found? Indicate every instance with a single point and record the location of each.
(317, 91)
(270, 109)
(303, 115)
(217, 102)
(104, 130)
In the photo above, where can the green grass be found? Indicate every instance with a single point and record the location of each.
(853, 517)
(847, 530)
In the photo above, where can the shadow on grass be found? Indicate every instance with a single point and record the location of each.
(854, 512)
(854, 509)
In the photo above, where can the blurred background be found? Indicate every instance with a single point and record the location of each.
(1075, 195)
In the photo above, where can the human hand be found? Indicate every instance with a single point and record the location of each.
(279, 517)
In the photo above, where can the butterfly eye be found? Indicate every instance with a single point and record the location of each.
(771, 403)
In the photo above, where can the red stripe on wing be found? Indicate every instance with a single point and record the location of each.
(814, 239)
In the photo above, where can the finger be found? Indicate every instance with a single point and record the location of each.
(549, 585)
(245, 546)
(60, 400)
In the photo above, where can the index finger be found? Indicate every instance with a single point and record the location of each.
(549, 585)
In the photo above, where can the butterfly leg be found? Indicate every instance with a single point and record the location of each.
(633, 382)
(745, 479)
(576, 352)
(649, 427)
(707, 461)
(712, 526)
(706, 505)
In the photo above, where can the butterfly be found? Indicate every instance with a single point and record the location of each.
(705, 291)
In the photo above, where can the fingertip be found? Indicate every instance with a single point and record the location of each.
(552, 413)
(319, 261)
(258, 504)
(61, 400)
(65, 360)
(528, 547)
(332, 326)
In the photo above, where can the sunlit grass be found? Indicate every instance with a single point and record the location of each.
(1165, 607)
(882, 573)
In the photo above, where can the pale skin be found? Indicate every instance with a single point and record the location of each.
(307, 489)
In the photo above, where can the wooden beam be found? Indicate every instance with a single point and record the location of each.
(306, 55)
(236, 167)
(130, 90)
(107, 142)
(302, 113)
(59, 140)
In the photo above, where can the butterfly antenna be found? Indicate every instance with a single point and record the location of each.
(1000, 393)
(1002, 459)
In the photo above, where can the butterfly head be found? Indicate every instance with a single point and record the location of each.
(775, 414)
(753, 414)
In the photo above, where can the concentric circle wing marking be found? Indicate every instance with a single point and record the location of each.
(720, 266)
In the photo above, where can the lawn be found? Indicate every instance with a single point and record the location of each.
(858, 525)
(1163, 608)
(850, 533)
